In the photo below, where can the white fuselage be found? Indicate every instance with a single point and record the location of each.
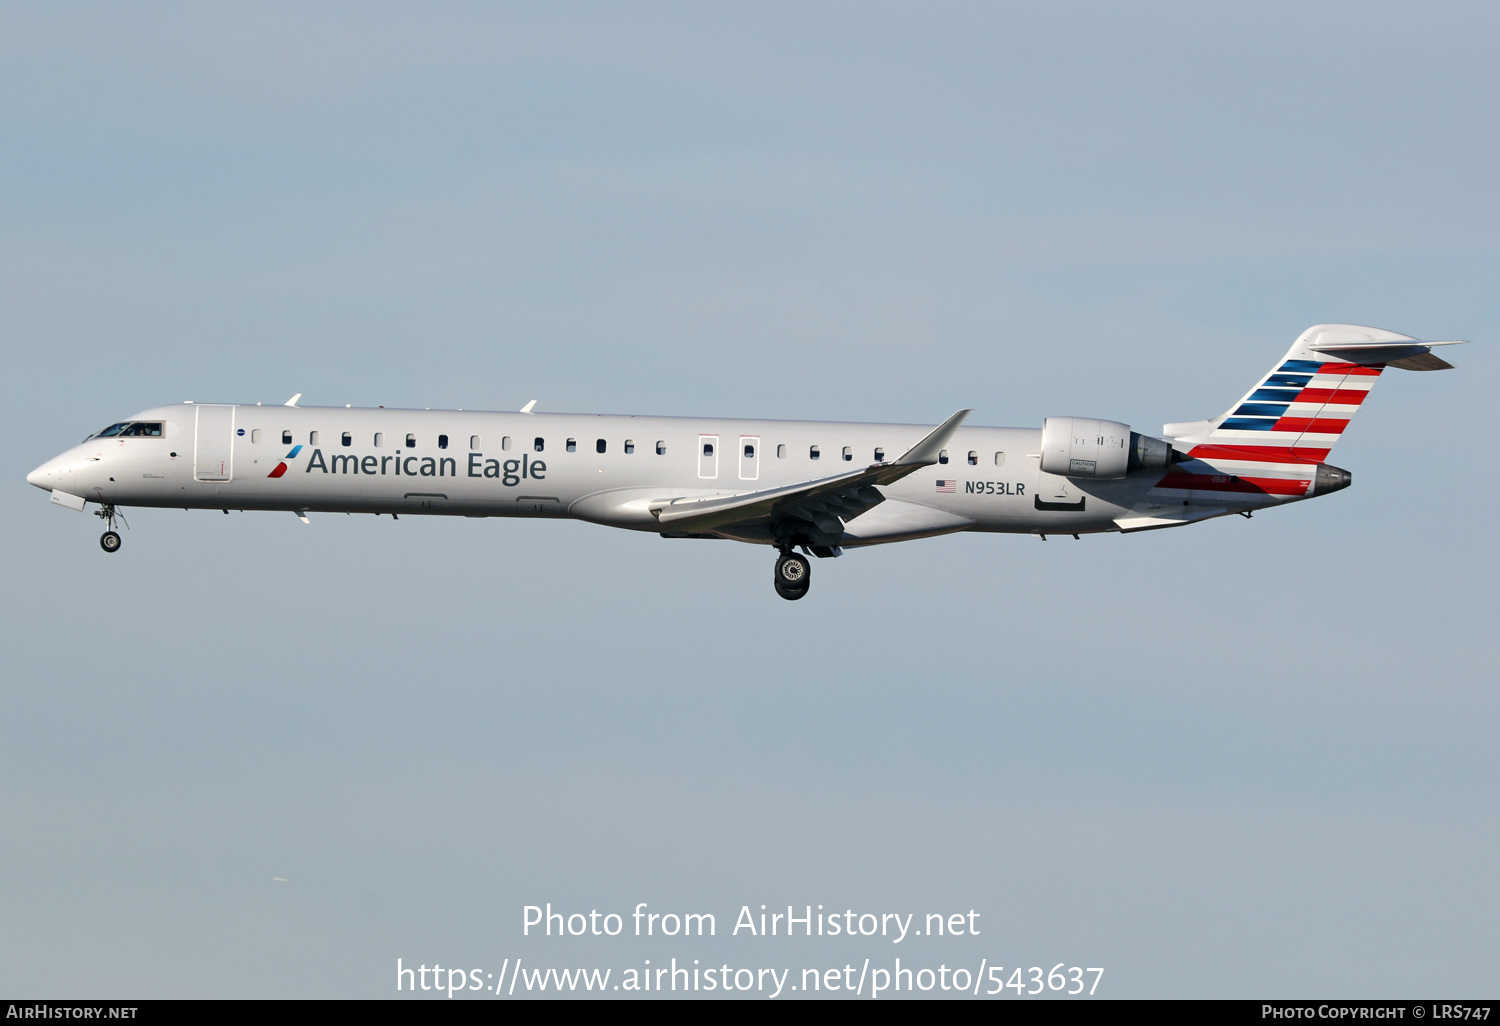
(604, 469)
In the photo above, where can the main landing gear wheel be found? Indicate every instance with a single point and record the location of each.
(793, 576)
(109, 541)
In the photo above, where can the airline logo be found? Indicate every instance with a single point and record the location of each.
(281, 467)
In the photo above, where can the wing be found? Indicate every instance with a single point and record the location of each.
(823, 505)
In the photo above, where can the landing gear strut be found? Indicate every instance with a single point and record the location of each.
(109, 541)
(793, 575)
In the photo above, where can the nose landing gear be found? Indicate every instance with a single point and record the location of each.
(109, 541)
(793, 575)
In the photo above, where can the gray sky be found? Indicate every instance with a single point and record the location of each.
(1247, 758)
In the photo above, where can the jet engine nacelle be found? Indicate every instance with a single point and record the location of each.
(1099, 449)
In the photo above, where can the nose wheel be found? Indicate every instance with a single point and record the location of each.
(793, 576)
(109, 541)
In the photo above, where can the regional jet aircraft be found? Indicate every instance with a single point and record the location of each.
(805, 488)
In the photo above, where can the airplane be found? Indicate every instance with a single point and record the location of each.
(805, 488)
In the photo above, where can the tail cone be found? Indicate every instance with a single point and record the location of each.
(1330, 479)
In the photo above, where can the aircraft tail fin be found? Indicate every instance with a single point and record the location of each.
(1300, 408)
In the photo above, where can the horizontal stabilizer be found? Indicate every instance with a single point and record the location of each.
(1413, 355)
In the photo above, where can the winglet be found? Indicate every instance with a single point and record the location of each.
(302, 515)
(528, 406)
(293, 400)
(925, 453)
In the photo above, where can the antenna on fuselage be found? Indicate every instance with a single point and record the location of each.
(528, 406)
(293, 400)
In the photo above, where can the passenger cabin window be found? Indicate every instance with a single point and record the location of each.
(538, 445)
(599, 445)
(411, 441)
(813, 453)
(474, 442)
(879, 454)
(708, 448)
(255, 436)
(442, 441)
(848, 453)
(346, 439)
(749, 450)
(572, 445)
(661, 448)
(286, 438)
(629, 445)
(973, 458)
(999, 459)
(379, 439)
(943, 456)
(312, 438)
(781, 451)
(505, 443)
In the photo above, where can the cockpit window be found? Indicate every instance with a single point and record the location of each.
(132, 429)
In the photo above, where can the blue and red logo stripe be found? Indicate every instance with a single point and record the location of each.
(281, 467)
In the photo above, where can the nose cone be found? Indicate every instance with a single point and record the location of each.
(42, 476)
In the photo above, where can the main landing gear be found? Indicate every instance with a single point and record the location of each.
(793, 575)
(109, 541)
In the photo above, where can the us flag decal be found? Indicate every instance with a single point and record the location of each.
(949, 485)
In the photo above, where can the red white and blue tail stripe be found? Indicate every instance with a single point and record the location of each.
(1299, 409)
(1270, 446)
